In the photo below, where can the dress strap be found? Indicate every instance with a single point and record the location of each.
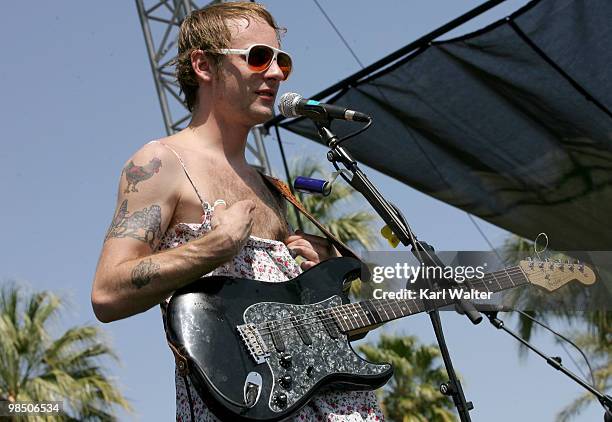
(186, 172)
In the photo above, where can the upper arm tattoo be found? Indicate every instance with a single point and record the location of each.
(135, 174)
(143, 225)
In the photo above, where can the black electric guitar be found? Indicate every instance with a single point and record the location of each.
(259, 351)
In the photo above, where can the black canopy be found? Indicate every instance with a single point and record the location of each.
(511, 123)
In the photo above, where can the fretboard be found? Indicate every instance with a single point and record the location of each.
(355, 316)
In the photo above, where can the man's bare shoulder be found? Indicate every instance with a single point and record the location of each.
(152, 165)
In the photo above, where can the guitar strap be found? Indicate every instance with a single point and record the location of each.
(282, 188)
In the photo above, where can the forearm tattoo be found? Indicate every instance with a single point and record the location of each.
(144, 273)
(135, 174)
(143, 225)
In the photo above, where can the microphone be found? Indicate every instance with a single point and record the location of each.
(294, 105)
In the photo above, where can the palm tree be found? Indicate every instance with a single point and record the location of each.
(36, 367)
(353, 228)
(413, 393)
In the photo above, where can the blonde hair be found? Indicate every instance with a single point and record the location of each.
(206, 29)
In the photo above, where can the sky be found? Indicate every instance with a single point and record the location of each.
(78, 99)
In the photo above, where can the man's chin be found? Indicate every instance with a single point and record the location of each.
(263, 114)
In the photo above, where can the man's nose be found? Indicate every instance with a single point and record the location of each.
(274, 71)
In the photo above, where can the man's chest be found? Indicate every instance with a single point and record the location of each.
(268, 217)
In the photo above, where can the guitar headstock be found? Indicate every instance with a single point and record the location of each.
(553, 275)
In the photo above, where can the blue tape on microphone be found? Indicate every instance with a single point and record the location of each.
(310, 185)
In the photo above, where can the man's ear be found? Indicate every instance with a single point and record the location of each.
(201, 65)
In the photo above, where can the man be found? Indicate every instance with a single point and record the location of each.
(166, 233)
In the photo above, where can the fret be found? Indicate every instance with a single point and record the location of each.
(499, 277)
(404, 307)
(519, 277)
(365, 311)
(338, 319)
(420, 306)
(495, 278)
(356, 309)
(355, 315)
(391, 309)
(398, 306)
(477, 284)
(380, 306)
(487, 281)
(508, 279)
(345, 318)
(349, 316)
(524, 278)
(371, 312)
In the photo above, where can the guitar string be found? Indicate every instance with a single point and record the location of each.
(344, 310)
(354, 313)
(388, 305)
(489, 278)
(502, 277)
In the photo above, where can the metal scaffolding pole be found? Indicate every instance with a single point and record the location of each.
(160, 21)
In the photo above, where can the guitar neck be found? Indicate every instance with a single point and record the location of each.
(368, 313)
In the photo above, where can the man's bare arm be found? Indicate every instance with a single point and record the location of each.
(131, 277)
(138, 284)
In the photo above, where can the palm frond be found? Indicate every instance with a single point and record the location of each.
(412, 394)
(36, 367)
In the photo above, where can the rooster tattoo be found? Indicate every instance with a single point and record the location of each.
(135, 174)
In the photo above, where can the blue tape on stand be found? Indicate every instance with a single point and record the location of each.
(310, 185)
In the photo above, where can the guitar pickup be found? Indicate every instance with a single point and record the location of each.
(328, 322)
(301, 329)
(277, 339)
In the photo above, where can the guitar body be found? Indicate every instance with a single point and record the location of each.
(259, 351)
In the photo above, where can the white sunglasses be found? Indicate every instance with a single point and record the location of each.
(259, 58)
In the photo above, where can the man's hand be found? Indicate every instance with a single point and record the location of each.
(313, 249)
(235, 222)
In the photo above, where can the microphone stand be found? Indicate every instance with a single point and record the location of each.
(555, 362)
(421, 250)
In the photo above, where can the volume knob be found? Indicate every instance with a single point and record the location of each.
(285, 381)
(285, 360)
(280, 399)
